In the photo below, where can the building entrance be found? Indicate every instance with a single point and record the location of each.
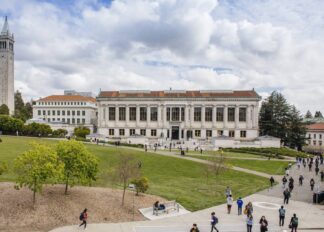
(175, 133)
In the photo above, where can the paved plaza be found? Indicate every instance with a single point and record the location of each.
(267, 203)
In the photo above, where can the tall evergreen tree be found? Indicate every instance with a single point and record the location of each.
(279, 119)
(308, 114)
(4, 110)
(318, 114)
(22, 111)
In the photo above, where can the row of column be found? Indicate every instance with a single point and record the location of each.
(251, 115)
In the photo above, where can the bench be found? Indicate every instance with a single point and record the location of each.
(169, 206)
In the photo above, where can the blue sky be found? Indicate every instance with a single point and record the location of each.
(158, 44)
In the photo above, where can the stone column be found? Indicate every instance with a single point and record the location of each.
(203, 114)
(192, 113)
(148, 115)
(237, 109)
(117, 114)
(253, 116)
(127, 115)
(160, 115)
(248, 117)
(225, 116)
(214, 116)
(137, 115)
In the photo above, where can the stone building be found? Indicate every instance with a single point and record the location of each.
(66, 112)
(315, 135)
(7, 67)
(179, 115)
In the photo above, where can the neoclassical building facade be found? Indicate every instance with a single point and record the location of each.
(179, 115)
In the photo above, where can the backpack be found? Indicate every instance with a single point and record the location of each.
(294, 221)
(81, 216)
(214, 220)
(282, 212)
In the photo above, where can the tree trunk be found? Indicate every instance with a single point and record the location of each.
(66, 185)
(123, 196)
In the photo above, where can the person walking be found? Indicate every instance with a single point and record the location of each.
(310, 166)
(214, 221)
(228, 191)
(83, 218)
(194, 228)
(249, 223)
(284, 182)
(239, 203)
(293, 223)
(287, 195)
(291, 186)
(229, 203)
(263, 224)
(322, 176)
(301, 178)
(248, 209)
(271, 181)
(282, 214)
(316, 170)
(312, 183)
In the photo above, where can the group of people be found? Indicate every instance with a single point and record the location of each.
(248, 211)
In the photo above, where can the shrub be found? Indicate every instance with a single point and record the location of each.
(81, 131)
(9, 125)
(269, 152)
(60, 133)
(141, 185)
(37, 129)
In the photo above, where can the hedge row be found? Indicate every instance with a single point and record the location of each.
(269, 152)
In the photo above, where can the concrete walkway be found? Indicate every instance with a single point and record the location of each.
(267, 203)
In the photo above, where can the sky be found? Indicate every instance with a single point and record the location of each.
(93, 45)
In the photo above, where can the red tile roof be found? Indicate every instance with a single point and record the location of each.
(179, 94)
(316, 126)
(67, 98)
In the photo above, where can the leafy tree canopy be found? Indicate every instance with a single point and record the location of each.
(4, 110)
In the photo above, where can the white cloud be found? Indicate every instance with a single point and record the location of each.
(157, 44)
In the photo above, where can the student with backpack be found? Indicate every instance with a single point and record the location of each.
(214, 221)
(249, 223)
(83, 217)
(312, 183)
(293, 223)
(282, 214)
(229, 203)
(239, 203)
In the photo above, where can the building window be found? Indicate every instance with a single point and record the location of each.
(231, 114)
(53, 112)
(143, 132)
(63, 112)
(143, 113)
(209, 133)
(73, 121)
(242, 114)
(78, 120)
(121, 132)
(44, 112)
(78, 113)
(132, 131)
(231, 134)
(153, 132)
(220, 132)
(320, 143)
(122, 113)
(39, 112)
(83, 112)
(154, 114)
(243, 134)
(168, 114)
(314, 136)
(73, 112)
(58, 112)
(48, 112)
(63, 120)
(132, 113)
(314, 143)
(219, 114)
(320, 136)
(182, 114)
(111, 132)
(197, 114)
(83, 121)
(68, 121)
(175, 114)
(208, 114)
(197, 133)
(112, 113)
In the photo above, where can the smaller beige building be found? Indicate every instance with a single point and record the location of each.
(315, 135)
(66, 111)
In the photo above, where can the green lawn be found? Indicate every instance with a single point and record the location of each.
(272, 167)
(169, 177)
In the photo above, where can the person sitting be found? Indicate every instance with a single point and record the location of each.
(158, 206)
(194, 228)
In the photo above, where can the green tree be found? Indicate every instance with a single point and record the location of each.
(4, 109)
(80, 166)
(81, 131)
(141, 185)
(296, 135)
(3, 168)
(127, 169)
(274, 116)
(60, 133)
(9, 125)
(282, 120)
(22, 111)
(318, 114)
(37, 129)
(308, 114)
(37, 167)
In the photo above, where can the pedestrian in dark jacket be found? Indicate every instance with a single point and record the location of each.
(263, 224)
(194, 228)
(282, 214)
(287, 195)
(84, 218)
(271, 181)
(312, 183)
(214, 221)
(293, 223)
(239, 203)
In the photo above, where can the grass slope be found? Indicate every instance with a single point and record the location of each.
(169, 177)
